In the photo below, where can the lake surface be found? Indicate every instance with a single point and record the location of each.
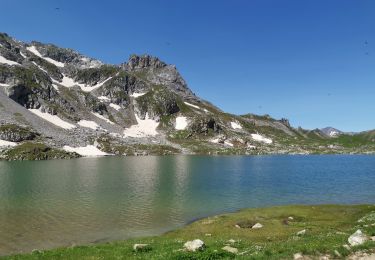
(46, 204)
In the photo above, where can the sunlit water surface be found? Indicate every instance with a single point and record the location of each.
(56, 203)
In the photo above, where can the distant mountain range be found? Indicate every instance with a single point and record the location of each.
(58, 103)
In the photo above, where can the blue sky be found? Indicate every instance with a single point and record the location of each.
(309, 61)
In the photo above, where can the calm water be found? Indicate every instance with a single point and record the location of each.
(64, 202)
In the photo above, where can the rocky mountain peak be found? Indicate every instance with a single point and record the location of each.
(136, 62)
(331, 132)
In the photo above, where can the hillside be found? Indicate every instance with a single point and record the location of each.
(58, 103)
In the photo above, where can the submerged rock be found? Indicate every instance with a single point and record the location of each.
(195, 245)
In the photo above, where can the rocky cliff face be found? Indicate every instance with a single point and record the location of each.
(61, 100)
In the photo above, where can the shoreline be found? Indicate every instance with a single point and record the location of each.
(327, 229)
(194, 154)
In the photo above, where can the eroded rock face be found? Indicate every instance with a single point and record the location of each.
(140, 62)
(204, 125)
(195, 245)
(158, 73)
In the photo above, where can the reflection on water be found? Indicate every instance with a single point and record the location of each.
(64, 202)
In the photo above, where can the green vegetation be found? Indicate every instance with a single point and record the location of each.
(15, 133)
(95, 75)
(36, 151)
(30, 77)
(158, 101)
(327, 230)
(52, 70)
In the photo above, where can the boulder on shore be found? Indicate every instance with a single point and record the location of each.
(195, 245)
(357, 238)
(257, 225)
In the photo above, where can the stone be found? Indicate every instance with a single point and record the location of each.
(208, 235)
(357, 238)
(372, 238)
(195, 245)
(347, 247)
(231, 241)
(230, 249)
(257, 225)
(237, 226)
(141, 247)
(290, 218)
(297, 256)
(337, 253)
(301, 233)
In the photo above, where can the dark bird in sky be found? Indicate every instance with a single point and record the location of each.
(366, 42)
(57, 8)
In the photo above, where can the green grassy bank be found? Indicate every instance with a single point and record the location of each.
(327, 230)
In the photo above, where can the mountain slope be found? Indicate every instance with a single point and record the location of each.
(76, 104)
(331, 132)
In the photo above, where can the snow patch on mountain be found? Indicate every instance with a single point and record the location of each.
(6, 61)
(135, 95)
(143, 128)
(55, 87)
(37, 53)
(235, 125)
(87, 151)
(103, 118)
(191, 105)
(103, 98)
(181, 123)
(88, 124)
(115, 106)
(86, 88)
(70, 82)
(227, 143)
(260, 138)
(40, 67)
(4, 143)
(53, 119)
